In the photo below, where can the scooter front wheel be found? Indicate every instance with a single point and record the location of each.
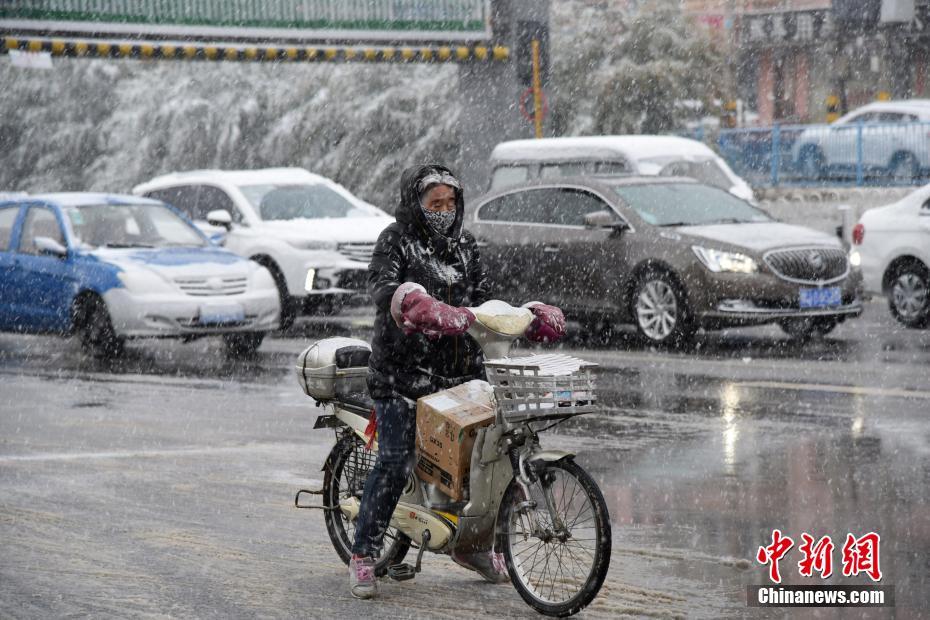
(346, 470)
(557, 565)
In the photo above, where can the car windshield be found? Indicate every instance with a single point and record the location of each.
(687, 204)
(289, 202)
(131, 226)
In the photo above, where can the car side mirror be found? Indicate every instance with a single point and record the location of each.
(220, 217)
(47, 245)
(605, 219)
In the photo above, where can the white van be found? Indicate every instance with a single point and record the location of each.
(522, 160)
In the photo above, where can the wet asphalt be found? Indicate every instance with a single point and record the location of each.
(163, 485)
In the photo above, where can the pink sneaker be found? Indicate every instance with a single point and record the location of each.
(362, 580)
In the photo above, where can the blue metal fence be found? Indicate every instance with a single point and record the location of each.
(840, 154)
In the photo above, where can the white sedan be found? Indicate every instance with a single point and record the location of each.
(893, 243)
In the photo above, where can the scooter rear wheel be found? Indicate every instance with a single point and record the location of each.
(557, 571)
(346, 470)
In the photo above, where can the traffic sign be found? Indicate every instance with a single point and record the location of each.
(527, 107)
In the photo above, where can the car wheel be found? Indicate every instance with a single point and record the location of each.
(812, 164)
(95, 329)
(904, 168)
(808, 327)
(289, 305)
(243, 344)
(660, 311)
(908, 298)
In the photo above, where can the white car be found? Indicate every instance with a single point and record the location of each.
(517, 161)
(110, 268)
(893, 243)
(312, 234)
(893, 137)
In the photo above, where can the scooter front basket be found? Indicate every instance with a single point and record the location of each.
(543, 387)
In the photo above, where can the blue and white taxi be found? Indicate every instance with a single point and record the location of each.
(110, 267)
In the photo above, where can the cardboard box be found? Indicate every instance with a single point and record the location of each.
(447, 424)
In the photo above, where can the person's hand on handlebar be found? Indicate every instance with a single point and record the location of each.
(416, 311)
(548, 324)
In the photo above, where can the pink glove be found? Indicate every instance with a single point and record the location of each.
(549, 324)
(421, 313)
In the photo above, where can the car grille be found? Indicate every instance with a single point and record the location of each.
(808, 265)
(195, 323)
(354, 279)
(361, 252)
(213, 286)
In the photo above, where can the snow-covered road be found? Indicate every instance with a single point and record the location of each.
(164, 487)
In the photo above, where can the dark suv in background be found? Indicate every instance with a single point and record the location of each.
(668, 255)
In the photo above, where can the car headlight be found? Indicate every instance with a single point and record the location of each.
(144, 282)
(308, 281)
(718, 260)
(855, 259)
(311, 244)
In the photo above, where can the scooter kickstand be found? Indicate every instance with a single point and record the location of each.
(403, 572)
(297, 503)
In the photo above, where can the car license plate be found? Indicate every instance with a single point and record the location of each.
(821, 297)
(217, 315)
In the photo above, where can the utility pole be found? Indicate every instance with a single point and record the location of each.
(491, 92)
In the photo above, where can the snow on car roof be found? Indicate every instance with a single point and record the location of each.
(594, 147)
(245, 177)
(78, 199)
(921, 106)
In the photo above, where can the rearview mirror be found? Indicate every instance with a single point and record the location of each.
(220, 217)
(47, 245)
(604, 219)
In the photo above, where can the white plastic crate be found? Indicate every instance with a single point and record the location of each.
(541, 387)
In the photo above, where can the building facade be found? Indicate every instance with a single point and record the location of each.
(802, 61)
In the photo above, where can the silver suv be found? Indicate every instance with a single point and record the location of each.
(312, 234)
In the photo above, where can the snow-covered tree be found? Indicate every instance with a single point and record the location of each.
(639, 70)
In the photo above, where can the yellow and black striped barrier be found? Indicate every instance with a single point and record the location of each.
(73, 48)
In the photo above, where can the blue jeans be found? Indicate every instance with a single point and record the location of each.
(397, 422)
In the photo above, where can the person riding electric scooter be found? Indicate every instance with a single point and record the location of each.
(424, 272)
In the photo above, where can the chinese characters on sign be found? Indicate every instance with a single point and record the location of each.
(859, 555)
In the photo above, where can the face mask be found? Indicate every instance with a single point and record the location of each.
(440, 221)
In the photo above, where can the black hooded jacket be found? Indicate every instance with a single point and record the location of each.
(409, 250)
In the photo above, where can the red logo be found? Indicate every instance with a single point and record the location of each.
(773, 553)
(413, 515)
(860, 555)
(817, 557)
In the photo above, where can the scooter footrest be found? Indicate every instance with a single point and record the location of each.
(401, 572)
